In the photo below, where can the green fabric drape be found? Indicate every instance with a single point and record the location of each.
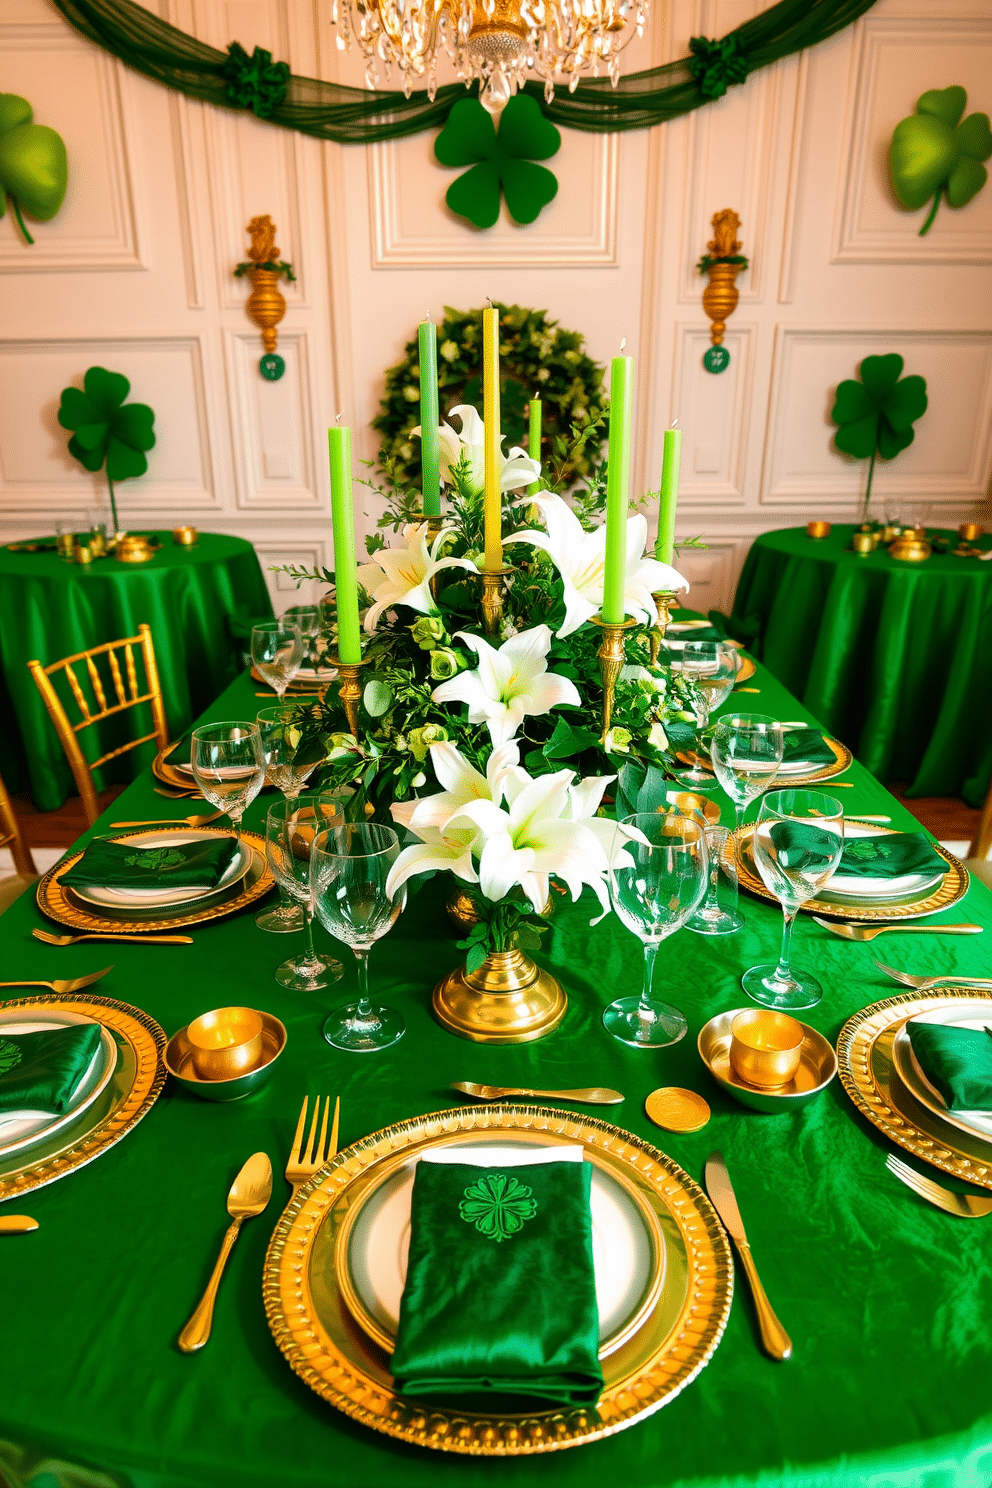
(895, 658)
(886, 1298)
(50, 609)
(357, 115)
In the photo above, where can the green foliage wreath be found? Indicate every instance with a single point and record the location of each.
(536, 357)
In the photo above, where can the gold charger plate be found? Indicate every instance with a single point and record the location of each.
(169, 775)
(953, 886)
(864, 1057)
(61, 905)
(314, 1329)
(133, 1090)
(842, 759)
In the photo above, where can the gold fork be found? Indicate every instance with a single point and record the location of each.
(968, 1206)
(173, 821)
(67, 940)
(177, 793)
(869, 932)
(927, 983)
(307, 1156)
(62, 988)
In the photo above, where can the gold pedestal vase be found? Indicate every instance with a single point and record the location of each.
(507, 1000)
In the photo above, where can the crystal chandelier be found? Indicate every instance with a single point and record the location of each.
(500, 42)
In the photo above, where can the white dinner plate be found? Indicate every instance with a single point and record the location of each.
(19, 1129)
(624, 1249)
(107, 898)
(968, 1013)
(316, 674)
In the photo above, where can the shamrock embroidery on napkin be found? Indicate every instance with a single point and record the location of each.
(498, 1206)
(11, 1054)
(154, 858)
(865, 850)
(500, 162)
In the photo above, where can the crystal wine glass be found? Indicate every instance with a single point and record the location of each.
(712, 917)
(307, 620)
(291, 828)
(280, 731)
(350, 869)
(277, 652)
(227, 764)
(798, 842)
(658, 875)
(746, 751)
(712, 667)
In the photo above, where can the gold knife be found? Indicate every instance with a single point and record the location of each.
(776, 1341)
(17, 1224)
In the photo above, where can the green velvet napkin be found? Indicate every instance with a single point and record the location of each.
(808, 746)
(181, 754)
(500, 1297)
(958, 1061)
(39, 1071)
(889, 855)
(124, 865)
(801, 847)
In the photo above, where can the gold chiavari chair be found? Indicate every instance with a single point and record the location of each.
(25, 874)
(127, 696)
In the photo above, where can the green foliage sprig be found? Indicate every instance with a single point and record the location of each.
(281, 267)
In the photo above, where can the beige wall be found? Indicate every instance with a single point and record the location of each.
(135, 272)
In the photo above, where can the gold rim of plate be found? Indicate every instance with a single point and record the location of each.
(316, 1333)
(133, 1090)
(842, 759)
(53, 900)
(169, 775)
(952, 888)
(864, 1058)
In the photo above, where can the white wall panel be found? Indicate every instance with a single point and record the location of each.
(273, 444)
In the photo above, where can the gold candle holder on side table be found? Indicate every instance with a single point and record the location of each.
(492, 597)
(664, 600)
(611, 656)
(350, 688)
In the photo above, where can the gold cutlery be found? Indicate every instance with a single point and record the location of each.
(63, 988)
(924, 984)
(747, 689)
(307, 1156)
(776, 1341)
(868, 932)
(178, 794)
(250, 1192)
(173, 821)
(17, 1224)
(590, 1096)
(968, 1206)
(864, 817)
(67, 940)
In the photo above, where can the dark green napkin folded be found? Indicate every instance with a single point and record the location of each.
(806, 745)
(124, 865)
(500, 1297)
(958, 1061)
(890, 855)
(180, 754)
(39, 1071)
(801, 847)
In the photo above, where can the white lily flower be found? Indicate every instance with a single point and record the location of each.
(448, 849)
(580, 558)
(462, 784)
(517, 469)
(402, 576)
(508, 684)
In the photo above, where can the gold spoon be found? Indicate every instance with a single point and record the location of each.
(591, 1096)
(17, 1224)
(868, 932)
(250, 1192)
(63, 988)
(68, 940)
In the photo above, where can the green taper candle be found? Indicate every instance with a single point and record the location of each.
(617, 488)
(534, 438)
(343, 520)
(430, 471)
(664, 548)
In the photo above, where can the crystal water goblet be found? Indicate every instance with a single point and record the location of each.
(227, 764)
(277, 652)
(291, 829)
(798, 842)
(280, 731)
(712, 667)
(746, 750)
(307, 620)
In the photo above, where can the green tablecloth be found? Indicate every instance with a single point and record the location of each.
(887, 1300)
(50, 609)
(895, 658)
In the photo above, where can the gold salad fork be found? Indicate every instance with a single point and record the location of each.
(64, 987)
(968, 1206)
(306, 1156)
(68, 940)
(927, 983)
(174, 821)
(869, 932)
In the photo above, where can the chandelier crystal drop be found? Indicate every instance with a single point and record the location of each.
(499, 42)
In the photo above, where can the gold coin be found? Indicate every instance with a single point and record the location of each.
(677, 1110)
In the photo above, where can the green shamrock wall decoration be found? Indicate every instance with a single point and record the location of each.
(500, 162)
(932, 152)
(106, 428)
(876, 415)
(34, 170)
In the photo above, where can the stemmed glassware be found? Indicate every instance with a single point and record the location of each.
(712, 667)
(746, 751)
(350, 868)
(277, 653)
(227, 764)
(714, 917)
(658, 875)
(798, 842)
(279, 729)
(307, 620)
(291, 829)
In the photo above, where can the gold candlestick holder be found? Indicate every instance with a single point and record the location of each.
(664, 602)
(611, 656)
(492, 597)
(350, 689)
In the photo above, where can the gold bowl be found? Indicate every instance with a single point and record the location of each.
(818, 529)
(765, 1048)
(131, 547)
(184, 537)
(817, 1067)
(691, 803)
(910, 548)
(969, 532)
(225, 1043)
(178, 1060)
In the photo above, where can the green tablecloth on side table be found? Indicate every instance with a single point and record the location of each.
(887, 1299)
(894, 657)
(50, 609)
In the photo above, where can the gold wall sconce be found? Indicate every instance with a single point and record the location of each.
(266, 305)
(721, 263)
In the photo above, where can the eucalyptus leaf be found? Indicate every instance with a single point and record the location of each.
(377, 698)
